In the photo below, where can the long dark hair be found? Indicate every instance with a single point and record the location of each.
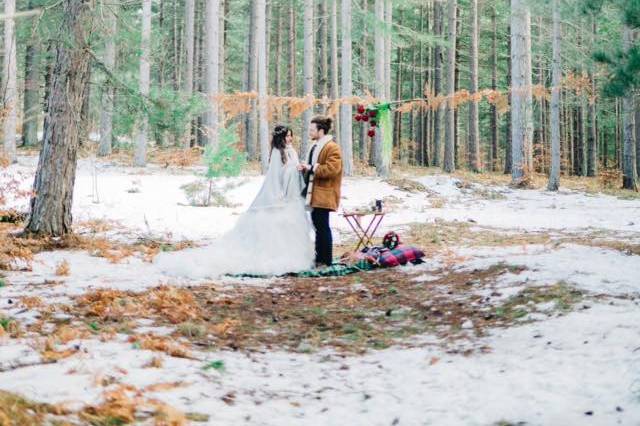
(279, 140)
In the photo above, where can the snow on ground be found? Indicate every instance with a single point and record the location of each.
(552, 372)
(596, 270)
(151, 201)
(579, 368)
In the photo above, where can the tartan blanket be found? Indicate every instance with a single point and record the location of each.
(400, 255)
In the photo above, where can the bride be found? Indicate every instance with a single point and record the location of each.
(272, 237)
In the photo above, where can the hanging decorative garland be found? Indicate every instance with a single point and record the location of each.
(378, 116)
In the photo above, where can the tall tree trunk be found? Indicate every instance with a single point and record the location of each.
(308, 67)
(449, 144)
(508, 135)
(108, 92)
(388, 19)
(263, 130)
(629, 171)
(56, 172)
(413, 95)
(397, 127)
(10, 82)
(189, 42)
(333, 66)
(32, 106)
(212, 56)
(419, 130)
(365, 153)
(456, 88)
(277, 83)
(346, 142)
(592, 158)
(323, 50)
(493, 153)
(222, 29)
(199, 79)
(474, 113)
(251, 117)
(292, 49)
(142, 130)
(382, 163)
(521, 97)
(437, 82)
(556, 80)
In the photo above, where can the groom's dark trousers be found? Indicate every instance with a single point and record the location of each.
(324, 239)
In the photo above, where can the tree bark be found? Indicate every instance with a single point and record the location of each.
(556, 80)
(335, 88)
(508, 138)
(140, 158)
(32, 107)
(382, 164)
(629, 171)
(388, 19)
(212, 77)
(189, 48)
(493, 153)
(10, 82)
(365, 153)
(251, 117)
(449, 144)
(56, 172)
(108, 92)
(346, 135)
(277, 77)
(474, 113)
(437, 82)
(292, 49)
(308, 68)
(224, 12)
(263, 129)
(323, 49)
(521, 96)
(592, 157)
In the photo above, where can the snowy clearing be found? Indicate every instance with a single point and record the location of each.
(547, 331)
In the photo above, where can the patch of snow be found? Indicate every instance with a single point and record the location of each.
(536, 373)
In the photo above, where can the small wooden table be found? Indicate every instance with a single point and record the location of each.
(365, 235)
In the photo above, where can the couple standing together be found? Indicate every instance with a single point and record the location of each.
(274, 236)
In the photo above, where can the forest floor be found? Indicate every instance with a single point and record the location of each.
(526, 310)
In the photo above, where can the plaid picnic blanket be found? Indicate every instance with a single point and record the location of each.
(401, 255)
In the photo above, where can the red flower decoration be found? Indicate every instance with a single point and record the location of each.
(361, 109)
(365, 118)
(358, 117)
(373, 113)
(371, 133)
(373, 123)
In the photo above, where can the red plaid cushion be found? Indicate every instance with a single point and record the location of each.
(401, 255)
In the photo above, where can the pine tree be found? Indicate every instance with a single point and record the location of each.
(55, 176)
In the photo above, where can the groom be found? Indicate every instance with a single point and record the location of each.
(323, 179)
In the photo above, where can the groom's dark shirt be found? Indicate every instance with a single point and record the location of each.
(307, 174)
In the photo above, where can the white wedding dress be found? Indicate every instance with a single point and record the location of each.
(273, 237)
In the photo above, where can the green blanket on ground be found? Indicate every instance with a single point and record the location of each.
(335, 270)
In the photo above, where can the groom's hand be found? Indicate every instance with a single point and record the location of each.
(303, 167)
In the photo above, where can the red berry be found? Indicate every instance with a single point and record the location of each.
(373, 113)
(358, 117)
(373, 123)
(365, 118)
(361, 109)
(371, 133)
